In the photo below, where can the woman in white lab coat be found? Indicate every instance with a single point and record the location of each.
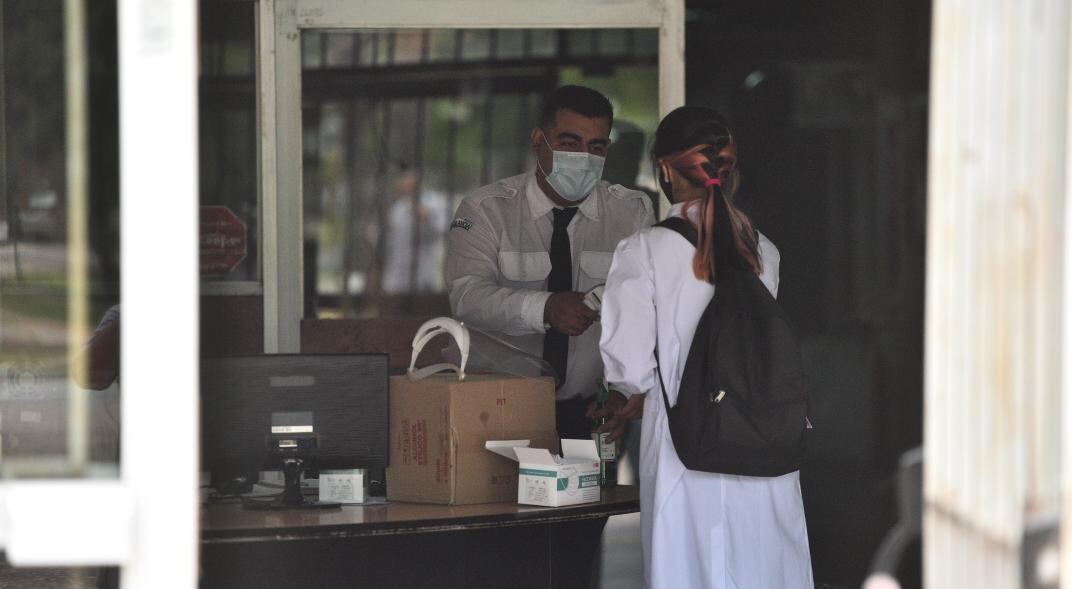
(698, 529)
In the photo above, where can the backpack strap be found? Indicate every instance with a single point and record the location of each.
(680, 226)
(659, 375)
(685, 229)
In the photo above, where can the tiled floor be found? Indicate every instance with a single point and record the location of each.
(621, 565)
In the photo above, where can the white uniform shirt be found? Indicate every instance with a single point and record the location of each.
(698, 529)
(498, 262)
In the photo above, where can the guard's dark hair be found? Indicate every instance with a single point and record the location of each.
(581, 100)
(688, 140)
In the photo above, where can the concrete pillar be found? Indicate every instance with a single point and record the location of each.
(996, 200)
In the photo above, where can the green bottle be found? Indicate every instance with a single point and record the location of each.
(608, 451)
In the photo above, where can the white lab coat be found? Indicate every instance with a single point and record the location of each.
(698, 529)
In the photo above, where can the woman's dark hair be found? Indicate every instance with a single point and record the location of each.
(688, 140)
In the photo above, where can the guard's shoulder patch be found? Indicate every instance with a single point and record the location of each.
(624, 193)
(462, 223)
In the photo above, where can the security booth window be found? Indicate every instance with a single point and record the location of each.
(399, 125)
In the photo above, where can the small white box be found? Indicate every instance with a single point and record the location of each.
(553, 481)
(271, 478)
(344, 486)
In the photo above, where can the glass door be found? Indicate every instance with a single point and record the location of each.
(97, 149)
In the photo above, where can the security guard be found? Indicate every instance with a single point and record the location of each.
(523, 251)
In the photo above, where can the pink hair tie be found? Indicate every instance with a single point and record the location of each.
(712, 182)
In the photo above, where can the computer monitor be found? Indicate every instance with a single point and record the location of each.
(293, 411)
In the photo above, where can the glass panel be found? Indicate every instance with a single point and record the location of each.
(510, 43)
(55, 420)
(469, 146)
(50, 302)
(237, 58)
(312, 49)
(612, 42)
(338, 50)
(409, 46)
(390, 154)
(476, 44)
(367, 48)
(646, 42)
(581, 42)
(544, 42)
(228, 138)
(384, 48)
(442, 44)
(505, 158)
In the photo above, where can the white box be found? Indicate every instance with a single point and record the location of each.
(553, 481)
(344, 486)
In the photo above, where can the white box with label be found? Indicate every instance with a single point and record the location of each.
(344, 486)
(553, 481)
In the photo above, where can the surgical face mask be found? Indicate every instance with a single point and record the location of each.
(573, 173)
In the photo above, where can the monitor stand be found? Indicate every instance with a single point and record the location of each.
(292, 495)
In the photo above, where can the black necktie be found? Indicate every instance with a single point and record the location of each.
(555, 344)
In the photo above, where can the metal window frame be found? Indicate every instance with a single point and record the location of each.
(279, 27)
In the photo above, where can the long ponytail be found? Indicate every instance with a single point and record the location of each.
(725, 234)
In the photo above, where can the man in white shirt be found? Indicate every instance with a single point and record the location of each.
(521, 252)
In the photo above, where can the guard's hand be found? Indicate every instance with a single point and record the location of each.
(620, 410)
(567, 313)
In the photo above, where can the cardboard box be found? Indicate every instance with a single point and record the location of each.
(439, 426)
(552, 481)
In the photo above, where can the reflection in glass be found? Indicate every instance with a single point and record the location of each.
(442, 44)
(646, 42)
(476, 44)
(383, 49)
(311, 50)
(338, 50)
(544, 42)
(510, 43)
(393, 144)
(228, 137)
(582, 42)
(49, 425)
(409, 46)
(613, 42)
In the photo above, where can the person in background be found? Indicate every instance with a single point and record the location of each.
(698, 529)
(523, 251)
(417, 221)
(101, 354)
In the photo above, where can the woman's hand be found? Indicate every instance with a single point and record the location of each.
(619, 410)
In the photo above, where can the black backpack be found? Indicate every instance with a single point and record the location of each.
(743, 402)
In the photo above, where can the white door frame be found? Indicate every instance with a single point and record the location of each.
(279, 27)
(147, 520)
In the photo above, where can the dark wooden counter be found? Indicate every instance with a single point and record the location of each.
(408, 544)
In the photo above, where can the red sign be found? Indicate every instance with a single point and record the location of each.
(223, 241)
